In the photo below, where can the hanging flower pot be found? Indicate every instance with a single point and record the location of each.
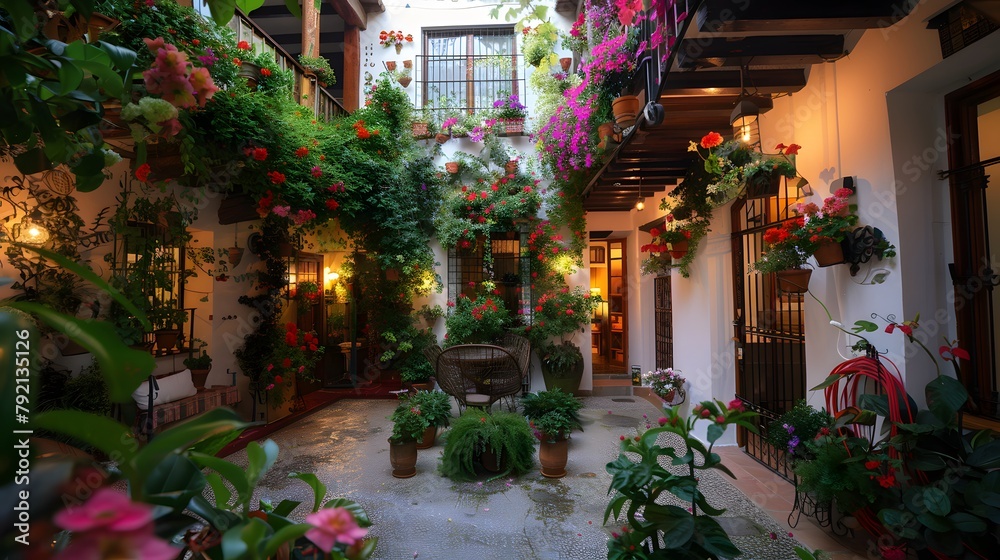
(251, 73)
(407, 64)
(399, 48)
(679, 249)
(794, 280)
(626, 109)
(390, 65)
(763, 185)
(565, 62)
(164, 159)
(441, 137)
(235, 255)
(404, 81)
(510, 167)
(451, 167)
(829, 253)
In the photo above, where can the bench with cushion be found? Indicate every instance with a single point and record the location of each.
(173, 397)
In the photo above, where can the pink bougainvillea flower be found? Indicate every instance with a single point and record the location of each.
(141, 543)
(332, 526)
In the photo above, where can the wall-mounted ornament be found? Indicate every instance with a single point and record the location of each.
(862, 244)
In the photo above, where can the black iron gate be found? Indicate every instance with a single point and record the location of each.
(664, 323)
(770, 341)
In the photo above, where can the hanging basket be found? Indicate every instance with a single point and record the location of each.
(404, 81)
(390, 65)
(829, 253)
(679, 249)
(407, 64)
(164, 159)
(626, 109)
(794, 280)
(235, 256)
(451, 167)
(420, 130)
(399, 48)
(441, 137)
(763, 185)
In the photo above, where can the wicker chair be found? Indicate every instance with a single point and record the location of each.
(478, 375)
(520, 348)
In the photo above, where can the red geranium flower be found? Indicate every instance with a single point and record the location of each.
(276, 177)
(302, 152)
(260, 154)
(332, 204)
(142, 172)
(266, 72)
(243, 46)
(711, 140)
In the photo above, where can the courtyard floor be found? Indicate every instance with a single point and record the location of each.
(429, 516)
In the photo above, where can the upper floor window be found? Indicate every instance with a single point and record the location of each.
(469, 68)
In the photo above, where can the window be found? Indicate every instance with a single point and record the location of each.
(511, 271)
(469, 68)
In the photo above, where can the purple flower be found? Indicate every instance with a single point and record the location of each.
(209, 58)
(448, 123)
(498, 103)
(793, 443)
(788, 428)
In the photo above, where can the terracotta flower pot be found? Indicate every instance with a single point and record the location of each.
(565, 62)
(166, 339)
(199, 377)
(626, 109)
(829, 253)
(441, 137)
(553, 456)
(399, 48)
(427, 441)
(679, 249)
(513, 127)
(451, 167)
(390, 65)
(404, 81)
(794, 280)
(510, 167)
(235, 255)
(419, 129)
(488, 459)
(403, 458)
(407, 64)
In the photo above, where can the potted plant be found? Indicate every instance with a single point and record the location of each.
(562, 366)
(664, 382)
(498, 442)
(435, 406)
(483, 320)
(319, 66)
(511, 113)
(408, 425)
(166, 319)
(539, 44)
(393, 38)
(199, 365)
(417, 372)
(552, 416)
(786, 256)
(829, 225)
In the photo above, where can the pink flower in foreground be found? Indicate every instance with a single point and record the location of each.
(134, 544)
(333, 525)
(106, 509)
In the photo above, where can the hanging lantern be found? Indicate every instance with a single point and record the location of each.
(31, 232)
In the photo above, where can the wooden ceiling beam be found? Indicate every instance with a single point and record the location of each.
(725, 16)
(772, 50)
(764, 82)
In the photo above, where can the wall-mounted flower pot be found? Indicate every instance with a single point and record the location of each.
(626, 109)
(404, 81)
(763, 185)
(390, 65)
(829, 253)
(679, 249)
(794, 280)
(513, 127)
(407, 64)
(441, 137)
(251, 73)
(451, 167)
(420, 130)
(510, 167)
(164, 159)
(399, 48)
(565, 62)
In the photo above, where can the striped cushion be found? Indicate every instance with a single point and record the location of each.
(218, 395)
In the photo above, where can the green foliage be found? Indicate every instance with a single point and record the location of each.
(435, 406)
(559, 312)
(320, 66)
(802, 422)
(408, 422)
(483, 320)
(504, 433)
(835, 471)
(639, 477)
(553, 414)
(560, 358)
(88, 391)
